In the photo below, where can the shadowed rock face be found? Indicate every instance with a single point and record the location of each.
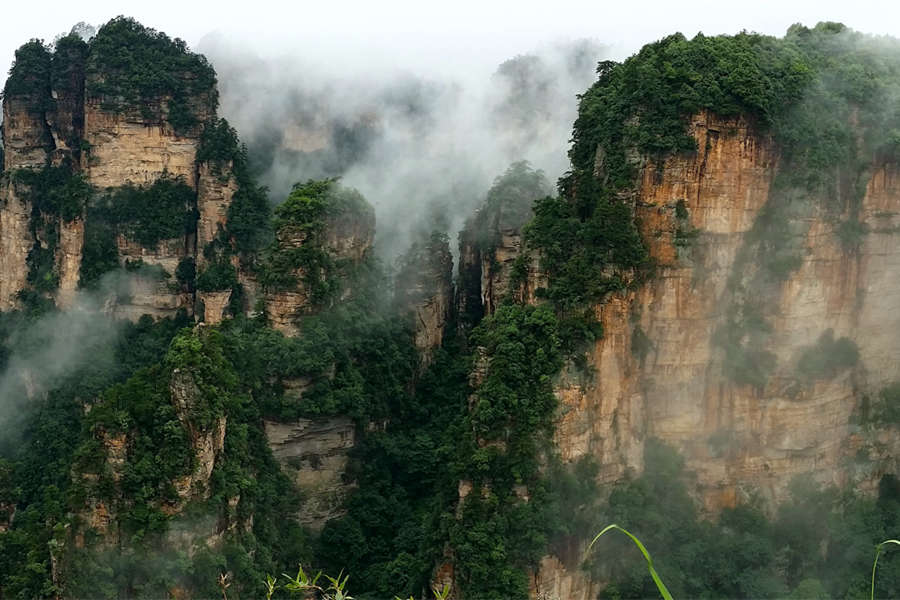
(425, 289)
(314, 455)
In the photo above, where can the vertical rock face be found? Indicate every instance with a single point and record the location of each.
(15, 242)
(662, 369)
(314, 455)
(26, 135)
(151, 290)
(68, 257)
(492, 262)
(207, 442)
(215, 189)
(658, 370)
(215, 304)
(128, 148)
(425, 288)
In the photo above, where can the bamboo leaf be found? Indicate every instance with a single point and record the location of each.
(663, 590)
(878, 550)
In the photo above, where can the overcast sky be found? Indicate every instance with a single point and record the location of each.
(423, 35)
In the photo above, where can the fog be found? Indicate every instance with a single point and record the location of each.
(45, 350)
(423, 149)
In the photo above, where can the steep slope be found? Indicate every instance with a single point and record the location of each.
(752, 331)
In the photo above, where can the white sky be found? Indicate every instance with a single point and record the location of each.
(424, 35)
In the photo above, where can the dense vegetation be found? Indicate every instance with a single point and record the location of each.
(819, 544)
(134, 67)
(301, 250)
(454, 460)
(29, 75)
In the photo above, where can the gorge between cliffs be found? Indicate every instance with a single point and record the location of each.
(345, 345)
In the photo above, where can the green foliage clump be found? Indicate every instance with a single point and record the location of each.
(163, 210)
(515, 398)
(817, 544)
(827, 357)
(134, 67)
(584, 249)
(219, 275)
(67, 67)
(883, 408)
(219, 143)
(507, 207)
(100, 253)
(29, 75)
(301, 225)
(42, 462)
(55, 191)
(399, 515)
(508, 425)
(147, 214)
(186, 273)
(187, 394)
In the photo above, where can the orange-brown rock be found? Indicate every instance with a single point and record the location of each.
(207, 441)
(215, 189)
(215, 304)
(127, 148)
(151, 288)
(15, 242)
(27, 141)
(659, 372)
(347, 238)
(68, 260)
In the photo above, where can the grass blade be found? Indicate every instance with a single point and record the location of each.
(878, 549)
(663, 590)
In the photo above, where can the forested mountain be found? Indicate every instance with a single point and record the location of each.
(692, 334)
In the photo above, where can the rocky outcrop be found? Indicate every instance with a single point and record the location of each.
(61, 122)
(207, 439)
(347, 237)
(425, 288)
(15, 242)
(150, 286)
(493, 263)
(215, 305)
(215, 189)
(68, 259)
(661, 366)
(130, 147)
(27, 141)
(553, 581)
(314, 455)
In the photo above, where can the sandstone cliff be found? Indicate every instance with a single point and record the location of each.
(60, 118)
(316, 258)
(662, 368)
